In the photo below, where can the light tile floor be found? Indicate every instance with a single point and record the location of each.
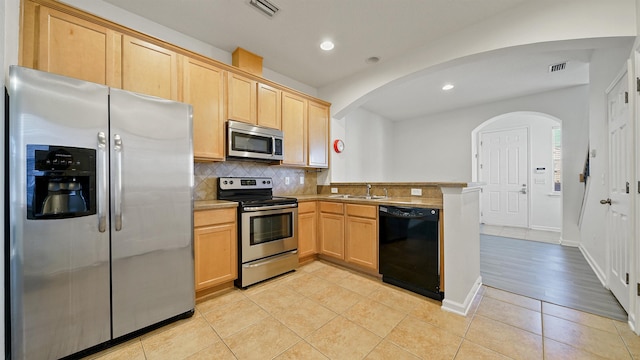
(521, 233)
(326, 312)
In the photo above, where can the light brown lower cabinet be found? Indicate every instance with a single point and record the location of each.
(362, 235)
(307, 229)
(349, 232)
(331, 229)
(215, 247)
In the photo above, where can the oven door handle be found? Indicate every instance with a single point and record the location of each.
(269, 207)
(277, 258)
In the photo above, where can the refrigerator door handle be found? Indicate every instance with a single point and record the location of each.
(102, 182)
(117, 196)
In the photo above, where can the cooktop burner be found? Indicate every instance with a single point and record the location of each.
(250, 191)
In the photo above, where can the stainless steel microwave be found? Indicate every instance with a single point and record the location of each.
(246, 141)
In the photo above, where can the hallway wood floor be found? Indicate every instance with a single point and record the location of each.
(548, 272)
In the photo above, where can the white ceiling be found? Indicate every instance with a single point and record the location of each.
(493, 78)
(289, 43)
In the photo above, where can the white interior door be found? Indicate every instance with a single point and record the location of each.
(503, 167)
(618, 222)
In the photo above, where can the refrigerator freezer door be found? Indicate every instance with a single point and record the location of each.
(59, 268)
(151, 210)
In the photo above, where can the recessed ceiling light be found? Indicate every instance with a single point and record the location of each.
(372, 60)
(326, 45)
(447, 87)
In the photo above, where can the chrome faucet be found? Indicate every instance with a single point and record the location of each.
(368, 190)
(386, 195)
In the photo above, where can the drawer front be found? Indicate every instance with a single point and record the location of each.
(367, 211)
(332, 207)
(306, 207)
(213, 217)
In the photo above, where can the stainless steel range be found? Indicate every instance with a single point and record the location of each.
(267, 228)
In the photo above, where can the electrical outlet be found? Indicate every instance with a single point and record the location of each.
(301, 180)
(334, 190)
(286, 180)
(416, 192)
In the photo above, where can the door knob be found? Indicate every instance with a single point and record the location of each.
(608, 201)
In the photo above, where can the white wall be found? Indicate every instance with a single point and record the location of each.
(133, 21)
(367, 151)
(605, 66)
(532, 22)
(438, 147)
(545, 206)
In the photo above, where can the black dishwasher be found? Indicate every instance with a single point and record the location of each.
(409, 249)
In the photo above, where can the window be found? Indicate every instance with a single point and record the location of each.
(556, 151)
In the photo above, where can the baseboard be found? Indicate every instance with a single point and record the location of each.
(546, 228)
(632, 323)
(571, 243)
(594, 266)
(458, 308)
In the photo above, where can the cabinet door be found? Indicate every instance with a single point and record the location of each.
(332, 235)
(318, 134)
(216, 259)
(269, 105)
(149, 69)
(307, 234)
(294, 123)
(73, 47)
(241, 102)
(204, 90)
(362, 242)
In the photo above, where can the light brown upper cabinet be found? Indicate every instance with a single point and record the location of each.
(61, 39)
(59, 43)
(242, 99)
(149, 69)
(318, 135)
(294, 128)
(204, 89)
(269, 105)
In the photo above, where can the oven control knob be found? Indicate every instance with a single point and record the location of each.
(268, 181)
(264, 181)
(231, 182)
(225, 182)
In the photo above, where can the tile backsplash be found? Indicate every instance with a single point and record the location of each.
(206, 176)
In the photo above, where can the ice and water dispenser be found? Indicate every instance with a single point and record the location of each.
(61, 182)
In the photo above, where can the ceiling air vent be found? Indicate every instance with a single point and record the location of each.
(557, 67)
(265, 6)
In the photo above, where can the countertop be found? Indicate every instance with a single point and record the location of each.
(392, 201)
(419, 202)
(213, 204)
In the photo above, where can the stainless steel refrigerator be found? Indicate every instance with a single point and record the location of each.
(100, 213)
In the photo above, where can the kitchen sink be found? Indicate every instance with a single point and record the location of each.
(349, 196)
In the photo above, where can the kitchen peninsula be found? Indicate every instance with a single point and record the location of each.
(459, 227)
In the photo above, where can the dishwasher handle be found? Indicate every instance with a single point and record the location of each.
(410, 213)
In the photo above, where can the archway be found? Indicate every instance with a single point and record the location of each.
(538, 185)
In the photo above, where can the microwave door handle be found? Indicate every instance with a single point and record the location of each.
(273, 146)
